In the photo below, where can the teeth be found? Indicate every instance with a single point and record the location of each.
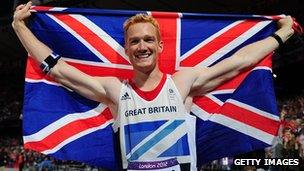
(143, 56)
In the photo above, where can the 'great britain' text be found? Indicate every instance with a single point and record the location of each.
(151, 110)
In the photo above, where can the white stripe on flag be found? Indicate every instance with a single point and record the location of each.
(214, 99)
(199, 112)
(57, 9)
(262, 68)
(42, 81)
(226, 91)
(178, 43)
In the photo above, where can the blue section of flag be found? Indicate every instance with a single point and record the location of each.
(258, 85)
(111, 25)
(221, 141)
(189, 39)
(40, 106)
(61, 41)
(223, 97)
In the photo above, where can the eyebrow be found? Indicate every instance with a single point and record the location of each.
(144, 37)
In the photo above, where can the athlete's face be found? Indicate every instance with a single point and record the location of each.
(142, 46)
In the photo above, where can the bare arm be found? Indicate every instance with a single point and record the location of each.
(95, 88)
(196, 81)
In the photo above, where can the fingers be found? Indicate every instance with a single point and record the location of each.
(27, 6)
(19, 7)
(289, 18)
(24, 7)
(286, 18)
(22, 12)
(286, 21)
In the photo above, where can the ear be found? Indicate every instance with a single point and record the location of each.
(125, 48)
(160, 46)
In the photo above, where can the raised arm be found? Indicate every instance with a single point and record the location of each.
(197, 81)
(95, 88)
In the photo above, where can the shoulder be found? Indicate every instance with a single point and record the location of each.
(185, 78)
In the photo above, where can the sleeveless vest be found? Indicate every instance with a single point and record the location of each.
(155, 127)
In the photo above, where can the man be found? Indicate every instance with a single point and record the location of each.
(152, 100)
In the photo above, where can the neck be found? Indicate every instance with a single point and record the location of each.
(147, 81)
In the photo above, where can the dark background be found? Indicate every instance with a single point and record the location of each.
(288, 62)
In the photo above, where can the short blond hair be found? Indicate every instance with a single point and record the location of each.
(141, 18)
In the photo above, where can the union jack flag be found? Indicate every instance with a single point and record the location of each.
(239, 116)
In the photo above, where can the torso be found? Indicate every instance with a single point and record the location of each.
(154, 125)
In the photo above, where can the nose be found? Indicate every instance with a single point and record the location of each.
(142, 46)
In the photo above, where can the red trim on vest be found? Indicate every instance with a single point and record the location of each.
(150, 95)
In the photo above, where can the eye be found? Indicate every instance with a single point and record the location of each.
(134, 41)
(150, 39)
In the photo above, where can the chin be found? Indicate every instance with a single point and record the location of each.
(145, 68)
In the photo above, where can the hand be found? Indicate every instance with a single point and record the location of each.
(22, 12)
(286, 22)
(285, 28)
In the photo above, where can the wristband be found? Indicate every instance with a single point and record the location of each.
(278, 39)
(49, 62)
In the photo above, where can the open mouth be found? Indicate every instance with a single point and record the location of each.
(142, 56)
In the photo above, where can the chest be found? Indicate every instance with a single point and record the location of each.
(165, 105)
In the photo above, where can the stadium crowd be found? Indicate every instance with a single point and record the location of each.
(14, 157)
(291, 142)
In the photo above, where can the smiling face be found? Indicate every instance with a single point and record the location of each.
(143, 46)
(142, 42)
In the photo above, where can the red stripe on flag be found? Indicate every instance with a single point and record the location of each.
(34, 72)
(100, 45)
(250, 118)
(217, 43)
(68, 131)
(41, 8)
(168, 26)
(171, 15)
(206, 104)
